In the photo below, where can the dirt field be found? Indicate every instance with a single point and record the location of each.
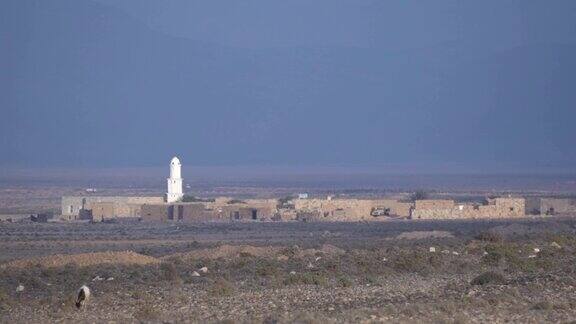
(404, 271)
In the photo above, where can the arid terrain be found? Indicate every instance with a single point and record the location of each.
(398, 271)
(266, 272)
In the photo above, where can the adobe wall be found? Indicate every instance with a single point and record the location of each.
(265, 209)
(434, 204)
(125, 206)
(154, 213)
(309, 216)
(497, 208)
(205, 212)
(551, 206)
(102, 210)
(197, 212)
(349, 209)
(287, 215)
(533, 205)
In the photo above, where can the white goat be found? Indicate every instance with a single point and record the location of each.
(83, 296)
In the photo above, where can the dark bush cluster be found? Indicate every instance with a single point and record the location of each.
(489, 277)
(488, 236)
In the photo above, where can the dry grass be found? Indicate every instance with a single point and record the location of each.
(83, 260)
(364, 275)
(221, 287)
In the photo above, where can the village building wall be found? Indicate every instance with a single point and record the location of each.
(309, 216)
(73, 206)
(434, 204)
(349, 209)
(102, 210)
(177, 212)
(532, 205)
(552, 206)
(154, 213)
(496, 208)
(197, 212)
(220, 210)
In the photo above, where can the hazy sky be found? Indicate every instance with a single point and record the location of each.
(113, 83)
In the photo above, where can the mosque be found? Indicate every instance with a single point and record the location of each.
(98, 208)
(167, 208)
(174, 192)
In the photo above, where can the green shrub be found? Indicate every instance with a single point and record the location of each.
(416, 261)
(344, 281)
(562, 239)
(543, 305)
(489, 277)
(498, 253)
(5, 300)
(266, 268)
(170, 272)
(221, 288)
(307, 278)
(147, 313)
(509, 255)
(419, 195)
(487, 236)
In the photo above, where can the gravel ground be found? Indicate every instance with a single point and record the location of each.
(304, 273)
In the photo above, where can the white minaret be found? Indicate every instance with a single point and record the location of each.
(175, 181)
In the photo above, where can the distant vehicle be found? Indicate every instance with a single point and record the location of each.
(380, 212)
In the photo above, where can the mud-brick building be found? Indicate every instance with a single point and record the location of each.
(103, 207)
(178, 212)
(350, 209)
(448, 209)
(220, 210)
(101, 211)
(555, 206)
(551, 206)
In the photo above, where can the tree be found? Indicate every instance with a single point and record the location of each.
(419, 195)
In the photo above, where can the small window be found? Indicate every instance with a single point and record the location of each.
(511, 208)
(71, 209)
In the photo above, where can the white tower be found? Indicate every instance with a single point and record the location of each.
(175, 181)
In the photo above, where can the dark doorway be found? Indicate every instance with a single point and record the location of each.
(170, 212)
(236, 215)
(254, 214)
(180, 212)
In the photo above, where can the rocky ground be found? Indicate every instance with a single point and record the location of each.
(445, 272)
